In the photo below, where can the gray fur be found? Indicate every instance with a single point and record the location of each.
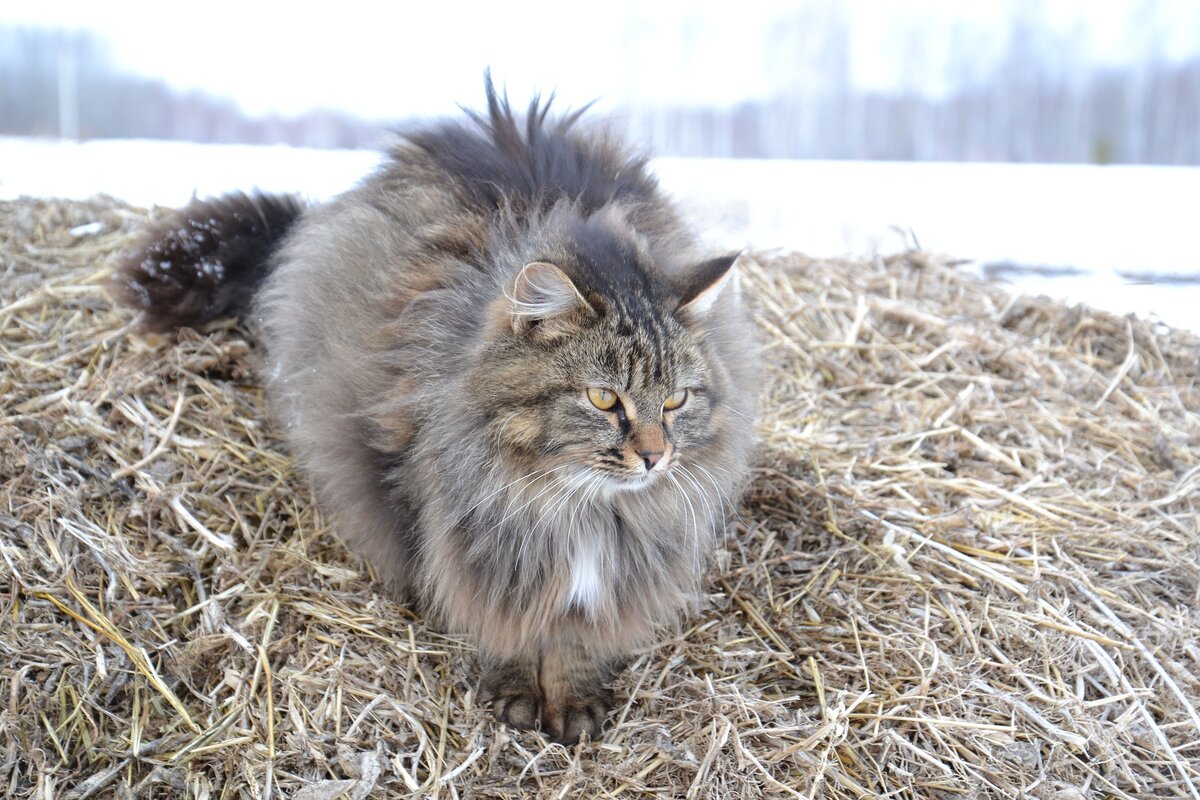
(450, 436)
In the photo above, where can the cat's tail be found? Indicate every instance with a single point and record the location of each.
(204, 260)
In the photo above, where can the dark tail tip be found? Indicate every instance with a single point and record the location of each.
(203, 260)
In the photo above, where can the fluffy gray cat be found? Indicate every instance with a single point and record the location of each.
(517, 386)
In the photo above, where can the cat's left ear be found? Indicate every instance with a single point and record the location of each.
(701, 287)
(544, 300)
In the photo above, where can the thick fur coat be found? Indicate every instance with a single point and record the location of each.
(437, 339)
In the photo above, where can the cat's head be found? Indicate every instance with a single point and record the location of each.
(604, 367)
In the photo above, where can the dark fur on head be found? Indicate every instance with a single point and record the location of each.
(533, 165)
(434, 338)
(204, 260)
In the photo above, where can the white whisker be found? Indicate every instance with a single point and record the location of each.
(526, 477)
(560, 485)
(735, 412)
(702, 497)
(726, 505)
(695, 539)
(554, 482)
(500, 432)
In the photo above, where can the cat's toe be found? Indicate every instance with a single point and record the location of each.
(518, 710)
(567, 723)
(511, 689)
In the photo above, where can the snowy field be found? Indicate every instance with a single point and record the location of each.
(1119, 238)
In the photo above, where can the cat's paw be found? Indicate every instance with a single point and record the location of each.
(513, 694)
(519, 710)
(566, 722)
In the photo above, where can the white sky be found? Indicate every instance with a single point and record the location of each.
(390, 60)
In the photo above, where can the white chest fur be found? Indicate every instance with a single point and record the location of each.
(586, 592)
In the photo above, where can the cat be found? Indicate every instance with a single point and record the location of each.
(516, 384)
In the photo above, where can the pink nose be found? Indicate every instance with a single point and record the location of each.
(650, 457)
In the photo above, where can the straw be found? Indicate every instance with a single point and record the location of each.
(968, 564)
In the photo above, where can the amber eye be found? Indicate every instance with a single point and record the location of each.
(675, 400)
(602, 399)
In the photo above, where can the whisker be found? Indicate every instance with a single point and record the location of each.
(701, 496)
(695, 523)
(530, 475)
(595, 482)
(735, 412)
(726, 505)
(729, 496)
(551, 485)
(554, 506)
(701, 492)
(503, 425)
(560, 498)
(560, 486)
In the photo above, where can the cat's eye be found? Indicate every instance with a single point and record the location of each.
(602, 399)
(676, 400)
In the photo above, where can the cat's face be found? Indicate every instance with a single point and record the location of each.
(615, 389)
(630, 401)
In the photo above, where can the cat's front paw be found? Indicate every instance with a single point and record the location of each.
(520, 710)
(566, 722)
(512, 692)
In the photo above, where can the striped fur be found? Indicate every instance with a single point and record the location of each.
(433, 385)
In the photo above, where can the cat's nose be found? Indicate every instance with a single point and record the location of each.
(650, 458)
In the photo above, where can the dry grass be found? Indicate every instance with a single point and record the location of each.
(968, 566)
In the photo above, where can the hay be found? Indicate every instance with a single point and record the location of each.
(968, 565)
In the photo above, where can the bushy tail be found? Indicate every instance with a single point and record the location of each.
(204, 260)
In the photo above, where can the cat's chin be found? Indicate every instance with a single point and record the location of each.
(617, 484)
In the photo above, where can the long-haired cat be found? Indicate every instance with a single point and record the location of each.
(514, 381)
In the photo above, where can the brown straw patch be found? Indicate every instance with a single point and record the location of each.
(968, 566)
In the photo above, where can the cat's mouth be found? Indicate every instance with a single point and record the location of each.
(634, 481)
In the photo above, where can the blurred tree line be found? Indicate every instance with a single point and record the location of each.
(1115, 116)
(1039, 103)
(63, 83)
(1024, 91)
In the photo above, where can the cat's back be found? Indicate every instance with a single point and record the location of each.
(436, 218)
(448, 195)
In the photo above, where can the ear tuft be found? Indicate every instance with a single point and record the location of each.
(700, 289)
(541, 294)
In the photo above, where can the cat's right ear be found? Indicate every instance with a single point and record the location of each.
(705, 284)
(544, 300)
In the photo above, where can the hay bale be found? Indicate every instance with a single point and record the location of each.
(967, 566)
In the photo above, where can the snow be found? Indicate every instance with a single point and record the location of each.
(1107, 223)
(1122, 230)
(150, 172)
